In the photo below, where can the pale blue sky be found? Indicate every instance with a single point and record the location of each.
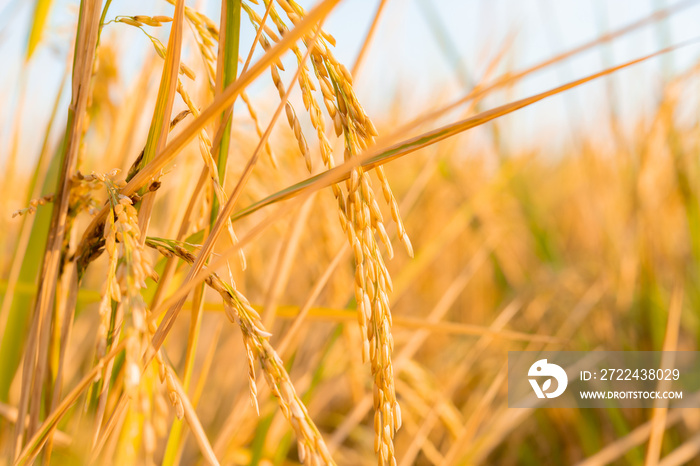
(407, 61)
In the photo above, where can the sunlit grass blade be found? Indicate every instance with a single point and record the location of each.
(86, 40)
(158, 131)
(15, 331)
(378, 157)
(39, 20)
(229, 38)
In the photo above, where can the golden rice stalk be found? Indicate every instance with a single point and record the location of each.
(359, 214)
(311, 446)
(129, 268)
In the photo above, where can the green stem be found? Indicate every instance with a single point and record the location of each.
(229, 70)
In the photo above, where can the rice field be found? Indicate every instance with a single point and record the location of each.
(240, 232)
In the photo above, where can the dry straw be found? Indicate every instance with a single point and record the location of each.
(133, 391)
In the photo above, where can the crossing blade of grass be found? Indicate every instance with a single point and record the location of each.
(117, 417)
(368, 39)
(380, 156)
(35, 361)
(256, 40)
(174, 444)
(511, 78)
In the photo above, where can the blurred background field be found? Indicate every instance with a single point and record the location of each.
(571, 224)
